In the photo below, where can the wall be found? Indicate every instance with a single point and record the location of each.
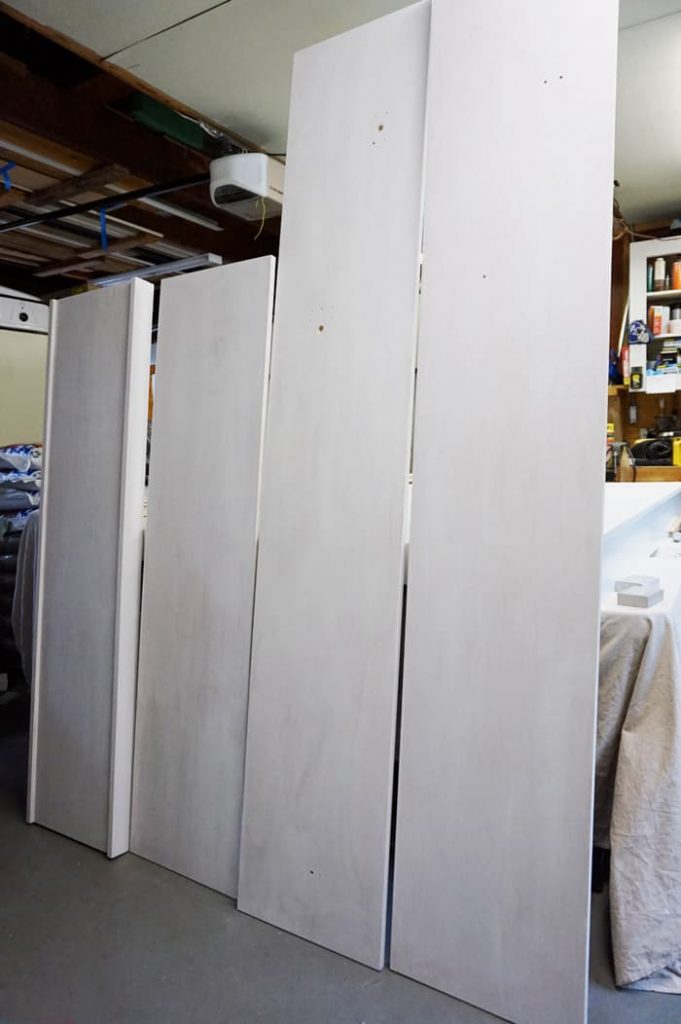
(22, 386)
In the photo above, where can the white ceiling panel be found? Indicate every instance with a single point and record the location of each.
(234, 63)
(635, 12)
(107, 26)
(648, 142)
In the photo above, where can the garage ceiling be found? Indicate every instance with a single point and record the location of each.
(231, 61)
(109, 27)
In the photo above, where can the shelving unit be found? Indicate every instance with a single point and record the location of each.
(641, 299)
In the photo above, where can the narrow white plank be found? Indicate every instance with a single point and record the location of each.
(90, 559)
(326, 640)
(129, 584)
(495, 786)
(199, 573)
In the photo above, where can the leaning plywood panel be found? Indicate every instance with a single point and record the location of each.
(199, 573)
(495, 787)
(316, 825)
(90, 562)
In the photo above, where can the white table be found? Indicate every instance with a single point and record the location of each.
(635, 519)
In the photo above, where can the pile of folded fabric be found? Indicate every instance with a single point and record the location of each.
(20, 484)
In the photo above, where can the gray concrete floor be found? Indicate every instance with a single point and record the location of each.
(88, 941)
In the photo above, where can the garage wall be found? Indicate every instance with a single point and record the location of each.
(23, 358)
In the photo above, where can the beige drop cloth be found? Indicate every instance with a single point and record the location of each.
(638, 783)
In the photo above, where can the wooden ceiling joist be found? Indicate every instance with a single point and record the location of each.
(30, 259)
(67, 118)
(76, 186)
(42, 247)
(59, 162)
(194, 236)
(86, 256)
(12, 196)
(68, 188)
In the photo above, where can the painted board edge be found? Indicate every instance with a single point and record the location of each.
(129, 567)
(36, 682)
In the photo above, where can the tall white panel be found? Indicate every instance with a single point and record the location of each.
(90, 562)
(199, 573)
(319, 757)
(495, 784)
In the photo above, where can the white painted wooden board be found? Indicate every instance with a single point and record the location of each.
(199, 571)
(491, 894)
(90, 561)
(321, 722)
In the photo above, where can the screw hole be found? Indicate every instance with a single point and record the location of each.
(320, 328)
(380, 127)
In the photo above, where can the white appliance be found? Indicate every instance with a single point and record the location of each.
(21, 312)
(249, 185)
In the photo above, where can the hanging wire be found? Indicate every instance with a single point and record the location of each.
(261, 201)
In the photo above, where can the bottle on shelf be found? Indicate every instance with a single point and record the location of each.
(658, 320)
(659, 274)
(676, 275)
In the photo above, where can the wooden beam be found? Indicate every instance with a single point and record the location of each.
(45, 149)
(85, 256)
(104, 89)
(230, 245)
(43, 247)
(28, 180)
(76, 186)
(11, 196)
(8, 253)
(43, 154)
(100, 267)
(29, 162)
(25, 183)
(39, 106)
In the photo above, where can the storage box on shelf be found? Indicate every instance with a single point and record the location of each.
(655, 298)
